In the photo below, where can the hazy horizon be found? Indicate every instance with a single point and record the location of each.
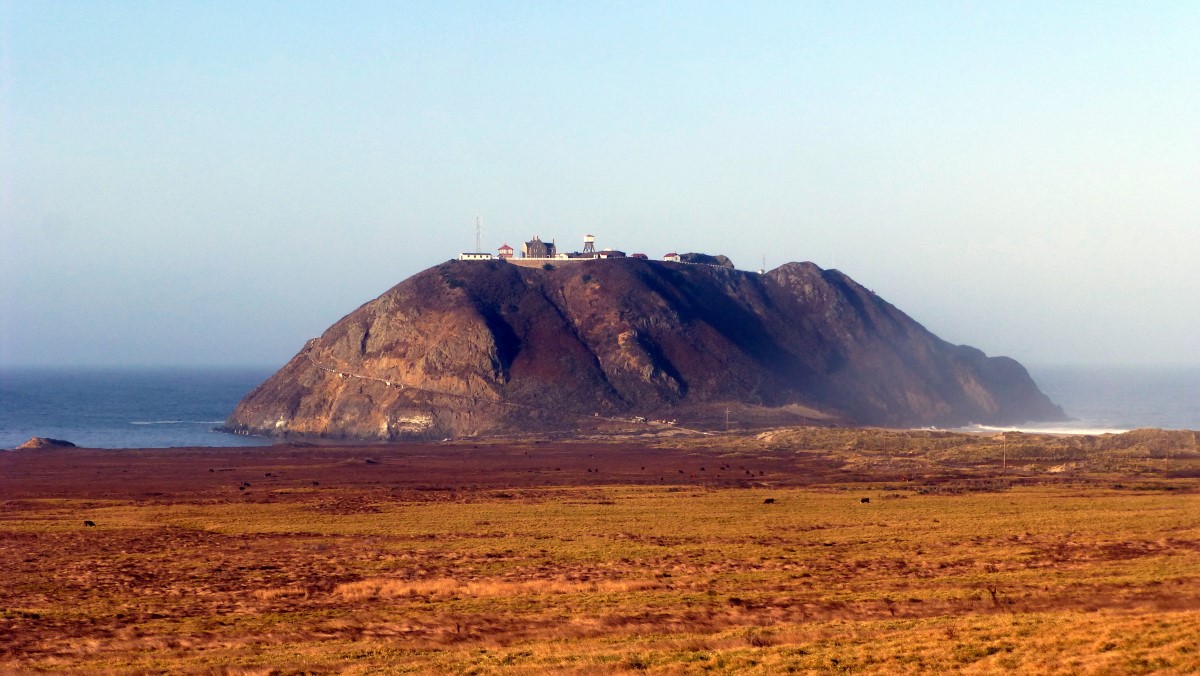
(209, 184)
(1034, 367)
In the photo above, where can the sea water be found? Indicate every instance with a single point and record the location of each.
(1117, 399)
(126, 408)
(158, 408)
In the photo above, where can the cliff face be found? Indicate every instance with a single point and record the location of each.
(472, 347)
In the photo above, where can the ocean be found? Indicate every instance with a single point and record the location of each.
(159, 408)
(1117, 399)
(129, 408)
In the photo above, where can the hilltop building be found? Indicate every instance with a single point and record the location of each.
(536, 248)
(536, 253)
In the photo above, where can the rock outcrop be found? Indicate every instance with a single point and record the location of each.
(706, 259)
(471, 347)
(44, 442)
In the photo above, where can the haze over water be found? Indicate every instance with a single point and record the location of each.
(1118, 399)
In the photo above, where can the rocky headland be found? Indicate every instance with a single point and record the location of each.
(480, 347)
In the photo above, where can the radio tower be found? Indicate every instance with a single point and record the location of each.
(478, 234)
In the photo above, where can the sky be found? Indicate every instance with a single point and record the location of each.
(214, 183)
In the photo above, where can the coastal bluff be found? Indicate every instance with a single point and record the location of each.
(487, 347)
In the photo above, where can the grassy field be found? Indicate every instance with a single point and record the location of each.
(1026, 571)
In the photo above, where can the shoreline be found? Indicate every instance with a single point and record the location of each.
(669, 438)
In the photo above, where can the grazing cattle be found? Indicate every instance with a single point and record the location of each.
(769, 501)
(89, 524)
(864, 500)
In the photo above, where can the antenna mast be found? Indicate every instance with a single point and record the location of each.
(478, 233)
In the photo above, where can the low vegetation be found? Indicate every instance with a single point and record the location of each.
(955, 567)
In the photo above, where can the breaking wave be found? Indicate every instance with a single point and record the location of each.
(1049, 428)
(176, 422)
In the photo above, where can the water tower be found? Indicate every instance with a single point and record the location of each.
(589, 245)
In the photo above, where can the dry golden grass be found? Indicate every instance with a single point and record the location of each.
(961, 571)
(279, 592)
(377, 588)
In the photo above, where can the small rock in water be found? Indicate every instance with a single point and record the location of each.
(43, 442)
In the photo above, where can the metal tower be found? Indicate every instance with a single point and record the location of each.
(478, 233)
(589, 244)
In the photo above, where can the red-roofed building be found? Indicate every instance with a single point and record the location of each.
(506, 252)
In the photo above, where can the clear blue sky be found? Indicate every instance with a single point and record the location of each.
(217, 182)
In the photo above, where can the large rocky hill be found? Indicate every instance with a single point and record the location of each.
(471, 347)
